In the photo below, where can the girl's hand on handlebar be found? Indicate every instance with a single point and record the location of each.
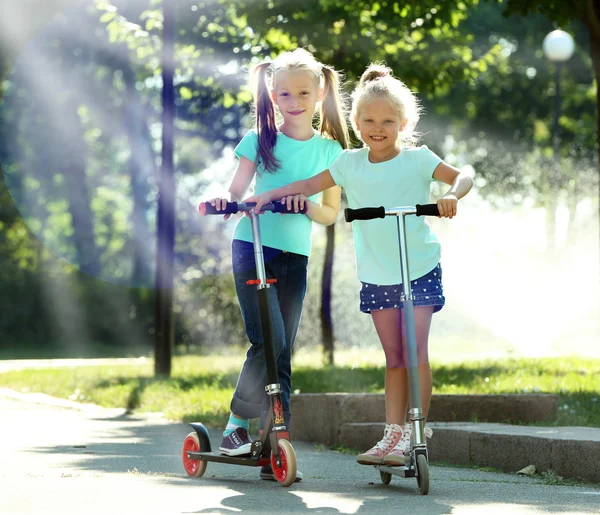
(260, 200)
(220, 204)
(295, 202)
(447, 206)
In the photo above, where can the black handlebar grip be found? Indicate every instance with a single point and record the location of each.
(206, 208)
(427, 210)
(278, 207)
(365, 213)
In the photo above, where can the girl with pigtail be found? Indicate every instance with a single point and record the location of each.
(390, 170)
(280, 150)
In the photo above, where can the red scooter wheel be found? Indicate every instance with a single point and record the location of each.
(194, 468)
(286, 474)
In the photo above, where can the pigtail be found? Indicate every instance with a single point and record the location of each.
(266, 127)
(332, 109)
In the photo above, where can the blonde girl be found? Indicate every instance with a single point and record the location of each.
(391, 170)
(296, 87)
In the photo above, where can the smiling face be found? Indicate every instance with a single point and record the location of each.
(379, 125)
(296, 93)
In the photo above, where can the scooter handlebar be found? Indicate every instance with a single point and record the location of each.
(427, 210)
(370, 213)
(206, 208)
(364, 213)
(278, 207)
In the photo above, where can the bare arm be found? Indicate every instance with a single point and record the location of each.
(307, 187)
(239, 185)
(242, 179)
(460, 184)
(326, 212)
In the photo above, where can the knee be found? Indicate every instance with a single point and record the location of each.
(423, 358)
(395, 360)
(422, 355)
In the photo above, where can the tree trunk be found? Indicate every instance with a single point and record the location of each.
(571, 229)
(591, 20)
(142, 170)
(326, 280)
(551, 206)
(76, 187)
(166, 205)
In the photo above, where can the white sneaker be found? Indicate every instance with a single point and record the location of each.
(376, 454)
(396, 456)
(428, 434)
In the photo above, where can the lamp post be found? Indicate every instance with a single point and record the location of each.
(558, 47)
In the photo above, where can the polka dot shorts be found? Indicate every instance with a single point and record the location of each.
(427, 291)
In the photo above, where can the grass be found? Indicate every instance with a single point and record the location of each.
(200, 387)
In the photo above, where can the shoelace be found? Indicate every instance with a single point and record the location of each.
(404, 442)
(386, 442)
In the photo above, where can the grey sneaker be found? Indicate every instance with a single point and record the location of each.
(237, 443)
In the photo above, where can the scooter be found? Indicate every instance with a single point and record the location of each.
(417, 461)
(273, 447)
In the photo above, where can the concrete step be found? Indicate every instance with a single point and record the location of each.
(571, 452)
(356, 421)
(318, 416)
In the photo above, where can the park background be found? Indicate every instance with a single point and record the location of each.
(80, 151)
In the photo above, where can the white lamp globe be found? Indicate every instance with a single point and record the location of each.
(559, 46)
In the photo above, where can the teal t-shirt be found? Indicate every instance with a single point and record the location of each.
(298, 160)
(402, 181)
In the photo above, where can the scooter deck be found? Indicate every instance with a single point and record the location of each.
(222, 458)
(402, 471)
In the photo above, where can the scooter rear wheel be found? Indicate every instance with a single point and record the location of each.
(286, 474)
(386, 477)
(194, 468)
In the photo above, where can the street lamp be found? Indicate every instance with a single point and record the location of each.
(558, 47)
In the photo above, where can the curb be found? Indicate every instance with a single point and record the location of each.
(572, 452)
(311, 410)
(347, 420)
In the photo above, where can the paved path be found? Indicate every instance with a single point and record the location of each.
(88, 461)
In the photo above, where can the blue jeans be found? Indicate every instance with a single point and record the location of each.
(285, 298)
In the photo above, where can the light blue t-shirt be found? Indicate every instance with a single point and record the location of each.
(298, 160)
(404, 180)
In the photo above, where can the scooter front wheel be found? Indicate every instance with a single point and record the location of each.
(423, 474)
(286, 474)
(194, 468)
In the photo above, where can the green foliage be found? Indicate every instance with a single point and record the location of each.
(559, 11)
(423, 41)
(201, 386)
(515, 100)
(472, 66)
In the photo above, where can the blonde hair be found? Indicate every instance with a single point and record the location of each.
(378, 81)
(331, 113)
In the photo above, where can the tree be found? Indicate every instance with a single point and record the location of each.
(350, 34)
(163, 322)
(501, 122)
(562, 12)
